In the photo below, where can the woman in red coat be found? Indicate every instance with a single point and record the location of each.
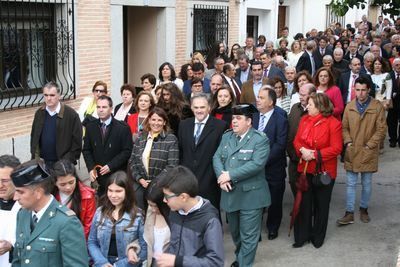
(318, 131)
(69, 191)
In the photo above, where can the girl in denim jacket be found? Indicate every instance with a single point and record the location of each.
(117, 223)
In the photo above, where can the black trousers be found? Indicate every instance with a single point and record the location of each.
(293, 175)
(392, 121)
(274, 218)
(312, 220)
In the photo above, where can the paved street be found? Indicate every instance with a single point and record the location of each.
(374, 244)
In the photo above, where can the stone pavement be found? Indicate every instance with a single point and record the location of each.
(373, 244)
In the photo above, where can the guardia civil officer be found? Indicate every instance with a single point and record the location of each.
(47, 233)
(239, 164)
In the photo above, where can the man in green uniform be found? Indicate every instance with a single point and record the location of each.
(47, 233)
(239, 164)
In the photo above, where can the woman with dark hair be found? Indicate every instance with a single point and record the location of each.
(325, 83)
(117, 223)
(144, 103)
(186, 72)
(318, 133)
(302, 77)
(382, 80)
(148, 81)
(173, 102)
(167, 74)
(87, 109)
(71, 192)
(156, 227)
(222, 103)
(217, 50)
(282, 99)
(153, 151)
(234, 54)
(123, 110)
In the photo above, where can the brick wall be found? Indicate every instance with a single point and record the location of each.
(233, 30)
(181, 33)
(93, 53)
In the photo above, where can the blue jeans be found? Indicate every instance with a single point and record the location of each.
(352, 178)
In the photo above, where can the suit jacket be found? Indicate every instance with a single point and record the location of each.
(304, 63)
(238, 74)
(198, 158)
(344, 84)
(245, 162)
(276, 131)
(395, 91)
(57, 239)
(347, 57)
(274, 72)
(187, 90)
(318, 57)
(247, 95)
(114, 151)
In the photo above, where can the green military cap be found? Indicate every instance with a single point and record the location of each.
(29, 173)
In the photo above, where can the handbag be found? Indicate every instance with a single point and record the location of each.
(321, 177)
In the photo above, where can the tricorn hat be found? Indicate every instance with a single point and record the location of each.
(29, 173)
(244, 109)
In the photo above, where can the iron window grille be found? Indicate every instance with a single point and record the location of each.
(36, 46)
(210, 24)
(332, 18)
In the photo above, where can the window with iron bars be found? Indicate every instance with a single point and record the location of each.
(36, 46)
(210, 25)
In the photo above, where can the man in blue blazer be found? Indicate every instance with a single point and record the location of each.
(273, 122)
(198, 71)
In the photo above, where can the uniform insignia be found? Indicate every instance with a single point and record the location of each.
(46, 239)
(246, 151)
(70, 213)
(51, 213)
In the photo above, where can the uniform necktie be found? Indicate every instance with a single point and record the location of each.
(198, 132)
(238, 138)
(237, 91)
(34, 220)
(261, 123)
(353, 91)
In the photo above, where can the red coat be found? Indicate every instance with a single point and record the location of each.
(320, 133)
(133, 122)
(88, 206)
(335, 96)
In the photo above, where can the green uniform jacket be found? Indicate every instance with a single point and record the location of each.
(245, 162)
(56, 241)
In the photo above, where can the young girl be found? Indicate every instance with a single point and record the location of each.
(117, 223)
(70, 192)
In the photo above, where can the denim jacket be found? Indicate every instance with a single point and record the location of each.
(100, 235)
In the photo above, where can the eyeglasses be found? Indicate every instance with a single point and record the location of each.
(167, 197)
(362, 90)
(99, 91)
(5, 181)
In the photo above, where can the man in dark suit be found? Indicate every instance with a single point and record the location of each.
(199, 138)
(243, 73)
(273, 122)
(107, 144)
(250, 88)
(307, 61)
(269, 70)
(198, 71)
(347, 80)
(228, 75)
(353, 52)
(322, 50)
(393, 113)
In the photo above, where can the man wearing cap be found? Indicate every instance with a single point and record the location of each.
(48, 234)
(8, 208)
(239, 164)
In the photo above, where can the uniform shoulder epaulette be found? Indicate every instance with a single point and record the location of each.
(260, 133)
(228, 130)
(66, 210)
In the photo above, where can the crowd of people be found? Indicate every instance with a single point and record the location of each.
(218, 138)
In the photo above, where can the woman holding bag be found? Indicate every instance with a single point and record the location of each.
(319, 132)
